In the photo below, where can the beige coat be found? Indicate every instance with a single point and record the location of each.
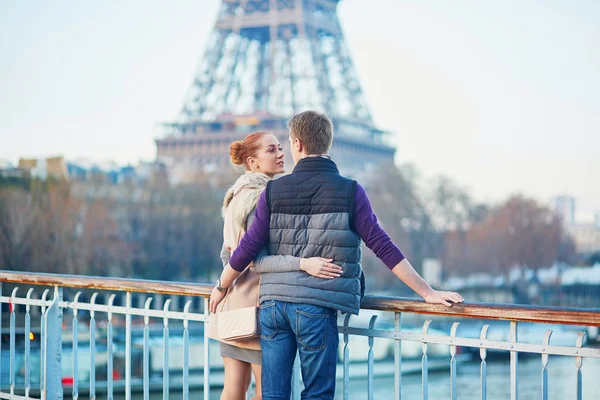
(239, 204)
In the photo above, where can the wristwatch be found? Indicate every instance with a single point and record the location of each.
(219, 287)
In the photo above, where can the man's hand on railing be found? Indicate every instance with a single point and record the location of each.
(445, 298)
(407, 274)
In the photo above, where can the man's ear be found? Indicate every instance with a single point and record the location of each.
(298, 145)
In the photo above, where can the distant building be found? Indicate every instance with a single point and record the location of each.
(586, 237)
(77, 172)
(12, 173)
(107, 172)
(85, 171)
(565, 207)
(205, 145)
(8, 170)
(44, 168)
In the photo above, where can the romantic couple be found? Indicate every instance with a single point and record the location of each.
(293, 246)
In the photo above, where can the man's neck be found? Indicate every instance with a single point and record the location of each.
(325, 155)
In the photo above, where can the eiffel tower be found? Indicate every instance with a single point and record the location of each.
(265, 61)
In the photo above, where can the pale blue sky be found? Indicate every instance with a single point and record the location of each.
(503, 96)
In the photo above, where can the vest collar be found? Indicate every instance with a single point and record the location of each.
(321, 164)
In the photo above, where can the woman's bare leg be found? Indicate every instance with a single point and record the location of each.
(257, 370)
(237, 379)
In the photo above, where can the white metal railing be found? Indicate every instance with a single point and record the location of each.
(54, 310)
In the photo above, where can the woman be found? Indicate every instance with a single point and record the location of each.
(262, 157)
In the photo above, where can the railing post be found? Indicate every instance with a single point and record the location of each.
(453, 388)
(397, 358)
(514, 361)
(12, 341)
(0, 339)
(166, 350)
(186, 351)
(43, 339)
(53, 348)
(206, 351)
(109, 348)
(75, 348)
(346, 358)
(483, 355)
(424, 362)
(128, 346)
(93, 348)
(146, 359)
(578, 363)
(27, 344)
(545, 366)
(370, 358)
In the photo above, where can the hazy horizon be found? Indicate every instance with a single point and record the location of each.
(503, 97)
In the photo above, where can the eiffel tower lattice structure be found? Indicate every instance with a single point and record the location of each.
(265, 61)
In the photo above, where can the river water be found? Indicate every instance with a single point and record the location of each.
(561, 373)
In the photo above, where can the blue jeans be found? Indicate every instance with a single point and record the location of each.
(312, 330)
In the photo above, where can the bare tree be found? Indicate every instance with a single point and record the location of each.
(450, 206)
(518, 232)
(18, 214)
(47, 228)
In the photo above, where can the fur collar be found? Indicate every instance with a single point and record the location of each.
(246, 190)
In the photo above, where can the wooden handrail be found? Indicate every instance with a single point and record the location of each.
(492, 311)
(524, 313)
(100, 283)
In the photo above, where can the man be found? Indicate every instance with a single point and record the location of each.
(313, 212)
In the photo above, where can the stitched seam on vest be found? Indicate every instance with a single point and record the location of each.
(351, 205)
(301, 211)
(337, 213)
(316, 203)
(311, 244)
(335, 193)
(325, 169)
(290, 203)
(310, 229)
(309, 287)
(320, 205)
(340, 196)
(268, 195)
(325, 187)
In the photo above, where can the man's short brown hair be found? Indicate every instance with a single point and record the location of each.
(314, 130)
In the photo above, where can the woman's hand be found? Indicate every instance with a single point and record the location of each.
(445, 298)
(320, 267)
(215, 298)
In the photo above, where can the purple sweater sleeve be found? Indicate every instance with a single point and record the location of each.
(254, 239)
(376, 239)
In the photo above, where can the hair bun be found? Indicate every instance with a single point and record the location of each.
(235, 151)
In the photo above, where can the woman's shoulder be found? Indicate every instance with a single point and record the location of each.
(242, 205)
(247, 197)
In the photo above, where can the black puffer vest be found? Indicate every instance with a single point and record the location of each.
(311, 216)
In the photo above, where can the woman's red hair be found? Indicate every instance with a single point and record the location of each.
(240, 150)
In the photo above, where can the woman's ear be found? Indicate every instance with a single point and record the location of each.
(252, 163)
